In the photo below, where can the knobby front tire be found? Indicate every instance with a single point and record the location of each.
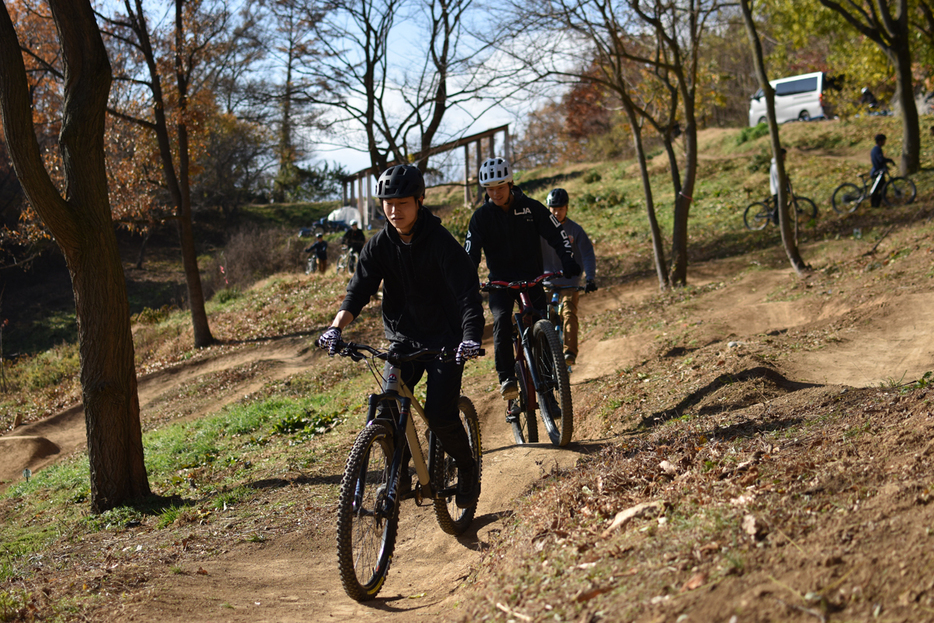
(757, 216)
(366, 529)
(454, 520)
(524, 424)
(899, 191)
(554, 399)
(846, 198)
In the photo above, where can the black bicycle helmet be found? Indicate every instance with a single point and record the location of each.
(557, 198)
(397, 182)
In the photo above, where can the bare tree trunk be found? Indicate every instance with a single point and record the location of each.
(911, 125)
(199, 316)
(658, 245)
(142, 246)
(176, 180)
(82, 226)
(784, 221)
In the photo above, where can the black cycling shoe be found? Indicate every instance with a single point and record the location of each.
(513, 410)
(468, 488)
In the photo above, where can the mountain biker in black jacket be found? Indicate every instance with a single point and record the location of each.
(354, 237)
(431, 299)
(508, 228)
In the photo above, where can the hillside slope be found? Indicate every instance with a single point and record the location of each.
(780, 426)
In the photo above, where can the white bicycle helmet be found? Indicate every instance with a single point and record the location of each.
(495, 172)
(353, 222)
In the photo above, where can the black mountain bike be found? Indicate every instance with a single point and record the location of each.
(368, 506)
(540, 371)
(894, 191)
(347, 261)
(759, 214)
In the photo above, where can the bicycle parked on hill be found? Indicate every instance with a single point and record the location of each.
(894, 191)
(540, 370)
(347, 262)
(760, 213)
(374, 478)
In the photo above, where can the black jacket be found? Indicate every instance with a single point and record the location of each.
(511, 239)
(431, 294)
(354, 238)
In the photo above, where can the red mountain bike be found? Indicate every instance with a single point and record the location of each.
(540, 370)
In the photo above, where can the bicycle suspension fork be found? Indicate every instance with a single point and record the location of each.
(397, 401)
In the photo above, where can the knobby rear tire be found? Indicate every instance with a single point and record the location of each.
(454, 520)
(525, 424)
(757, 216)
(806, 211)
(554, 401)
(899, 191)
(846, 198)
(366, 536)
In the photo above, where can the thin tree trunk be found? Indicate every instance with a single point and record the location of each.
(658, 245)
(679, 233)
(788, 238)
(142, 246)
(911, 126)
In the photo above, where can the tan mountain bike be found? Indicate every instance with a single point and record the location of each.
(368, 506)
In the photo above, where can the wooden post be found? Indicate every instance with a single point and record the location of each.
(506, 147)
(492, 146)
(467, 175)
(367, 213)
(360, 193)
(479, 162)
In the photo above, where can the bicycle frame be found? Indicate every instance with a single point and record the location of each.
(877, 183)
(524, 319)
(396, 393)
(400, 401)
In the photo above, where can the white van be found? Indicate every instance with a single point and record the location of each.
(796, 98)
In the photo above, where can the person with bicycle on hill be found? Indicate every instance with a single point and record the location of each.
(354, 238)
(773, 183)
(431, 299)
(508, 228)
(880, 165)
(320, 249)
(567, 287)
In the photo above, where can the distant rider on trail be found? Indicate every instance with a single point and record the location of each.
(508, 229)
(354, 238)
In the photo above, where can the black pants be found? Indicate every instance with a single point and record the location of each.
(442, 395)
(502, 303)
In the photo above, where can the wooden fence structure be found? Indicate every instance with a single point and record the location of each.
(358, 188)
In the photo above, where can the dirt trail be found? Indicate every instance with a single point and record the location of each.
(293, 577)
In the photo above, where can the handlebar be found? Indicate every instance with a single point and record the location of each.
(356, 352)
(518, 285)
(553, 286)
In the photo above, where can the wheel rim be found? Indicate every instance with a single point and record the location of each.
(847, 198)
